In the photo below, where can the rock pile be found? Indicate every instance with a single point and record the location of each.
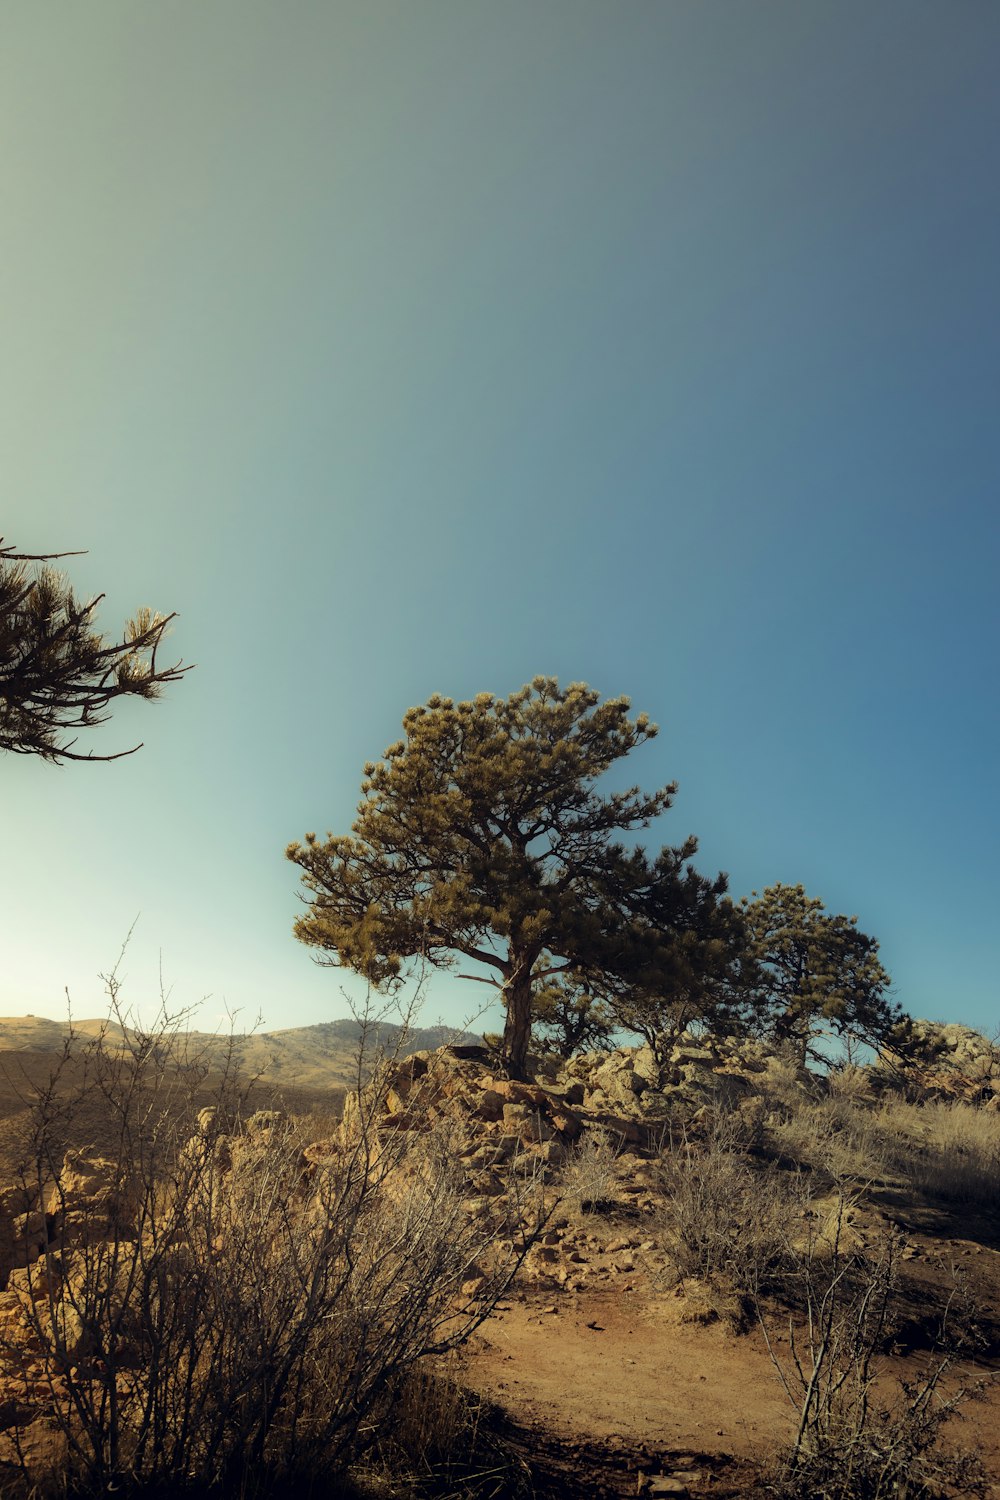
(959, 1063)
(592, 1133)
(699, 1072)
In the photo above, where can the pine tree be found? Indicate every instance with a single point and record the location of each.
(480, 837)
(816, 971)
(565, 1016)
(57, 672)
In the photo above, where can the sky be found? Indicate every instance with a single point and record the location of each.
(405, 349)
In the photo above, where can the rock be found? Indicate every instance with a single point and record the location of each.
(69, 1332)
(407, 1119)
(660, 1484)
(320, 1154)
(473, 1052)
(6, 1246)
(265, 1122)
(574, 1093)
(488, 1185)
(209, 1120)
(521, 1093)
(490, 1105)
(618, 1081)
(693, 1055)
(31, 1235)
(86, 1178)
(645, 1066)
(567, 1124)
(17, 1200)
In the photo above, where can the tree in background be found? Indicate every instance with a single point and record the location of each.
(480, 836)
(570, 1019)
(57, 672)
(704, 977)
(816, 972)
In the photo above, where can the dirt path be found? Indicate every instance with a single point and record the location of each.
(621, 1378)
(624, 1378)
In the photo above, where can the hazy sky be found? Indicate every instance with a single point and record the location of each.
(406, 348)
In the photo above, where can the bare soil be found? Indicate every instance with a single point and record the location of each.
(609, 1393)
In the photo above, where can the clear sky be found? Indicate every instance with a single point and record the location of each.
(409, 348)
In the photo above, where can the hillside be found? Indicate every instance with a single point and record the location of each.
(304, 1057)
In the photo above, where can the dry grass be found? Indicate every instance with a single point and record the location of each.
(943, 1150)
(840, 1137)
(441, 1440)
(947, 1150)
(590, 1181)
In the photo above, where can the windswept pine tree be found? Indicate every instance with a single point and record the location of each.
(481, 838)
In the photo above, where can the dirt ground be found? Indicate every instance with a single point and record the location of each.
(612, 1393)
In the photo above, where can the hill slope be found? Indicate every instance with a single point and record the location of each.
(314, 1057)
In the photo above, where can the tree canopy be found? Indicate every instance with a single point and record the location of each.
(704, 976)
(480, 837)
(57, 672)
(816, 971)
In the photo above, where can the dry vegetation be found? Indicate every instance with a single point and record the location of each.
(216, 1301)
(210, 1296)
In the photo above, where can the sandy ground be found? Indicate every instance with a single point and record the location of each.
(610, 1365)
(610, 1386)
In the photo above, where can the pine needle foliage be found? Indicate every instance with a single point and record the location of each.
(58, 672)
(817, 972)
(480, 836)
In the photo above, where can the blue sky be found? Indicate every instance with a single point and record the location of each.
(406, 349)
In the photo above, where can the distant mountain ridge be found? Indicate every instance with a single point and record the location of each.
(319, 1056)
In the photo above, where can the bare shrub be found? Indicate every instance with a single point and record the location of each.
(212, 1308)
(725, 1216)
(857, 1437)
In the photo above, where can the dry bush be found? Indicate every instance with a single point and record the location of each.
(857, 1437)
(220, 1312)
(723, 1215)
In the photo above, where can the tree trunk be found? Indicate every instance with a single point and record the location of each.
(517, 1027)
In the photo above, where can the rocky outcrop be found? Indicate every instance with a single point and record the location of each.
(950, 1062)
(699, 1073)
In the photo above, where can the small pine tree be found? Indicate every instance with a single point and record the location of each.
(570, 1019)
(816, 971)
